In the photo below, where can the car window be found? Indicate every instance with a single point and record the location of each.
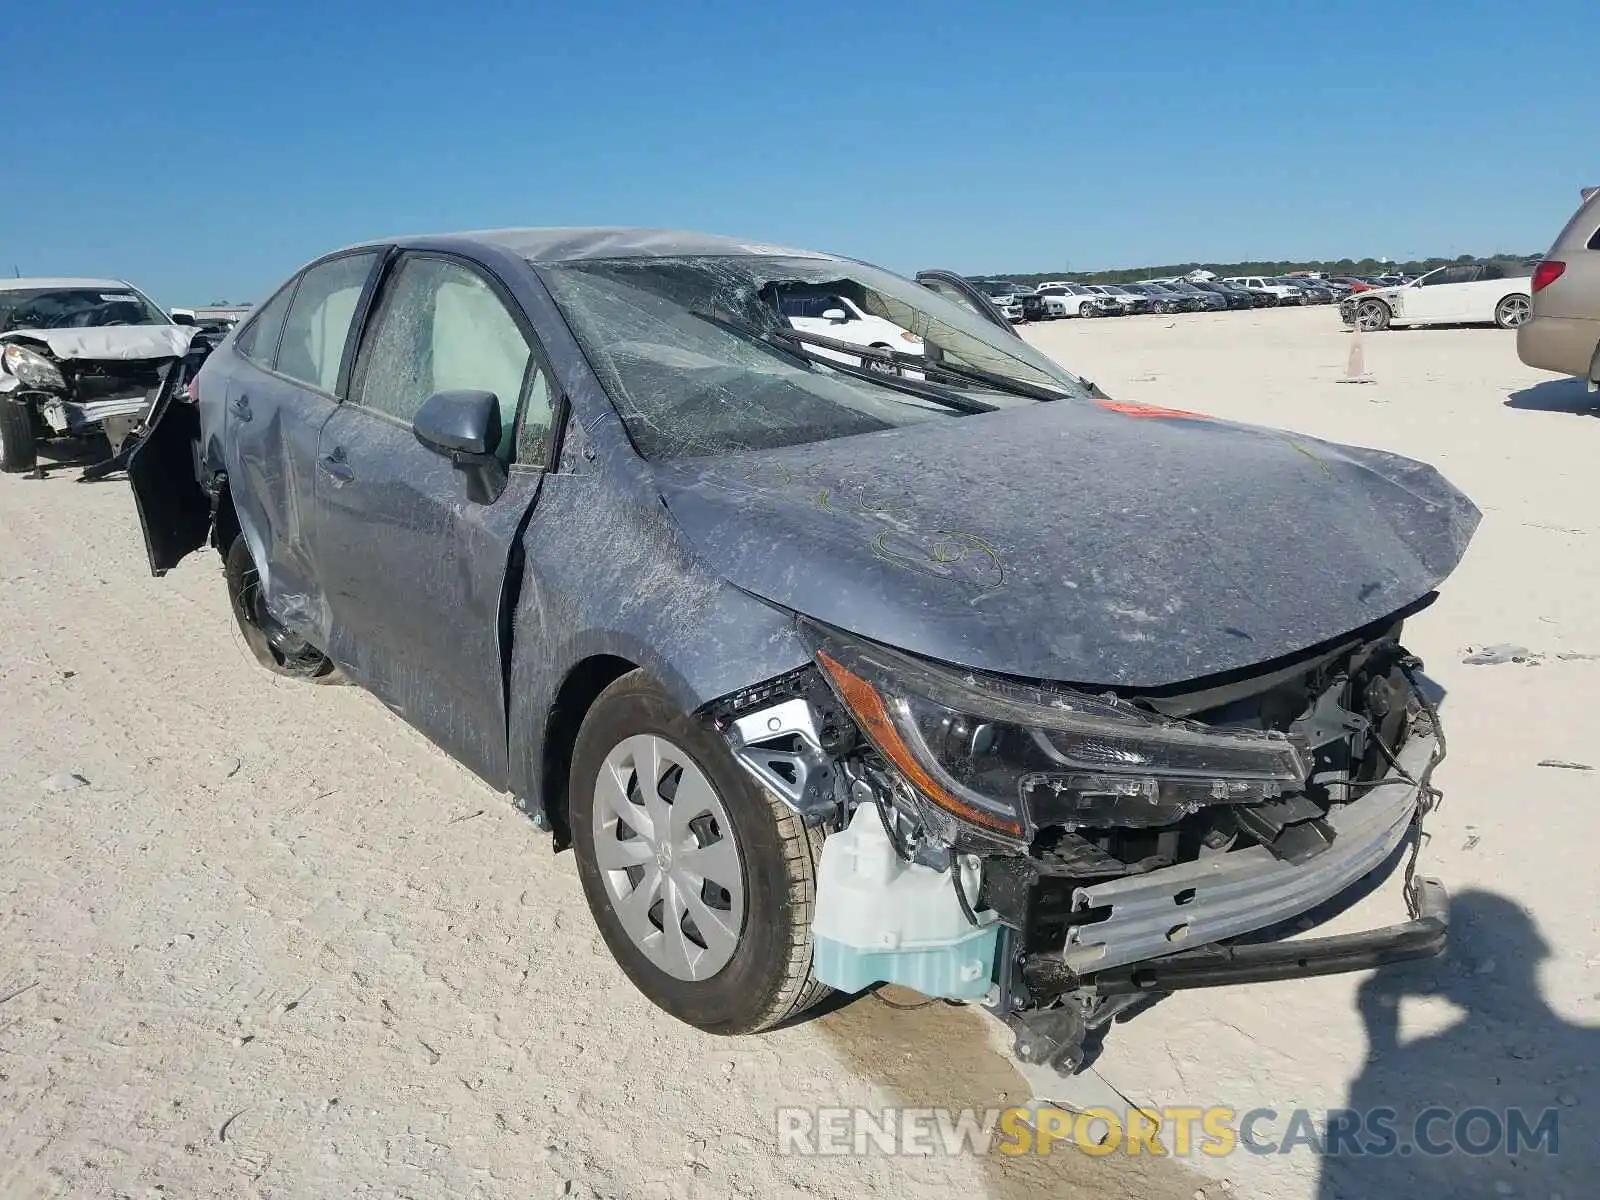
(259, 340)
(1504, 270)
(318, 324)
(440, 328)
(1461, 273)
(533, 431)
(812, 304)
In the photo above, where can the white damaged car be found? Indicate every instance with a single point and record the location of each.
(834, 315)
(80, 357)
(1488, 292)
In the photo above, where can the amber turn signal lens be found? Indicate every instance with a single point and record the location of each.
(868, 706)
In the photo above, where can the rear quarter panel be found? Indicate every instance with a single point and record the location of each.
(1563, 332)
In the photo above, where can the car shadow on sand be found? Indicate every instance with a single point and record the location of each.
(1557, 395)
(1432, 1117)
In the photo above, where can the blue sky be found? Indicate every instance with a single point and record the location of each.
(204, 150)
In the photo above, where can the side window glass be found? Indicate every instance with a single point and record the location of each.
(319, 320)
(533, 433)
(441, 328)
(258, 341)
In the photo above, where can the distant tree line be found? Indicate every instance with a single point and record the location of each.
(1342, 266)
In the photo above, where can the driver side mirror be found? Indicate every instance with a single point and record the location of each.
(836, 316)
(464, 426)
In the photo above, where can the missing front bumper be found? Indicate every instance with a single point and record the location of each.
(1221, 966)
(1195, 904)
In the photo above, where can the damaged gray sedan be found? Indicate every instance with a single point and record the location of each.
(945, 670)
(78, 358)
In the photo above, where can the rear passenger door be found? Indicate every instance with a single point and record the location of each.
(415, 570)
(292, 363)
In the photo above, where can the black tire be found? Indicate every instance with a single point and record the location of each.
(768, 980)
(1373, 316)
(1512, 310)
(878, 365)
(271, 645)
(18, 453)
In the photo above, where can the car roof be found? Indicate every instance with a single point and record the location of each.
(557, 245)
(42, 281)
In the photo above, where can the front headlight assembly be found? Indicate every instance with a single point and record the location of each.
(33, 369)
(1011, 759)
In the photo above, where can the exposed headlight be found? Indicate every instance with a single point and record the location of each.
(33, 368)
(1012, 759)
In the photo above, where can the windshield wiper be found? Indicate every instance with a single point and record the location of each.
(1000, 383)
(794, 343)
(963, 374)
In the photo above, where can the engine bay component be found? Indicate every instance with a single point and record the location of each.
(881, 918)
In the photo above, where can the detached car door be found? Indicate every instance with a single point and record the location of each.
(415, 570)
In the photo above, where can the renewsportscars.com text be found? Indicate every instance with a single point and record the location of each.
(1176, 1130)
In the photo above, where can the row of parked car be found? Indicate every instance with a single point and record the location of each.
(1055, 299)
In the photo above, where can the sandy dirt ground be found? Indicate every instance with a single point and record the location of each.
(261, 939)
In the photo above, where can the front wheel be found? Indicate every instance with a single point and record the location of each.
(1372, 316)
(701, 882)
(1086, 310)
(1512, 311)
(17, 450)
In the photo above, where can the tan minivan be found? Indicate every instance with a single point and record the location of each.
(1563, 334)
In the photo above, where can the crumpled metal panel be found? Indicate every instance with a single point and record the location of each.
(1242, 890)
(111, 343)
(1076, 541)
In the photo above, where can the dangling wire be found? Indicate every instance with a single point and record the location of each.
(1428, 796)
(889, 829)
(961, 889)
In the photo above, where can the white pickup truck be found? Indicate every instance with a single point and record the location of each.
(1261, 283)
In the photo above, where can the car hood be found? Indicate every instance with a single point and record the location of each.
(1077, 541)
(111, 342)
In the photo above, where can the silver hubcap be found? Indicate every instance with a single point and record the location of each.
(665, 848)
(1514, 312)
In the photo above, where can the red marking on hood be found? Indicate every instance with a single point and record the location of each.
(1130, 409)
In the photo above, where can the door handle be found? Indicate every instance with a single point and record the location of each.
(336, 468)
(241, 407)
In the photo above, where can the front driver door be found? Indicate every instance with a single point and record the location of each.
(1440, 296)
(415, 571)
